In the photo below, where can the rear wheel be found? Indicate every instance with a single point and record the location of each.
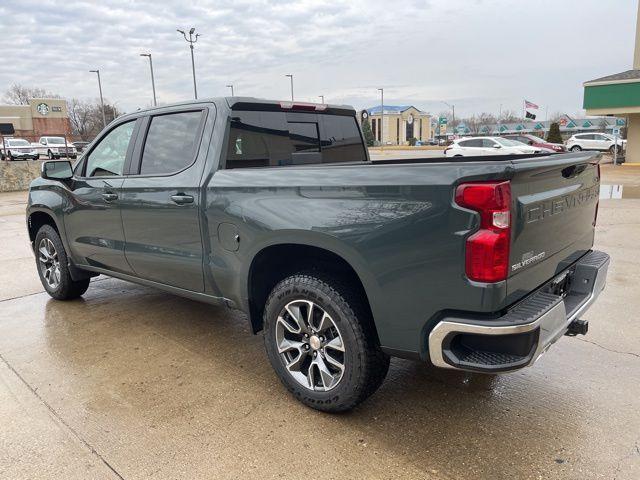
(53, 268)
(576, 148)
(320, 341)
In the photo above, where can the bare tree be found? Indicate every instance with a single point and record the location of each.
(509, 116)
(20, 95)
(86, 117)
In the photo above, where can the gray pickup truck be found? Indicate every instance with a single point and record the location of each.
(275, 208)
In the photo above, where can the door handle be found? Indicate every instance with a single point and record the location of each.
(109, 197)
(182, 199)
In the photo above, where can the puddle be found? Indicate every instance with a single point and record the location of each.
(617, 192)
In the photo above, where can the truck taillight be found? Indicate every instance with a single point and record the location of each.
(487, 250)
(595, 217)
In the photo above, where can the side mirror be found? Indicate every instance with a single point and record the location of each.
(57, 170)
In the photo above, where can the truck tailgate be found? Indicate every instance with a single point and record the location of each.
(555, 201)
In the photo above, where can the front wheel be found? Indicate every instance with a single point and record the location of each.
(320, 341)
(53, 267)
(612, 149)
(576, 148)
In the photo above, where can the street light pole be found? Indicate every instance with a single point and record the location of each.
(231, 87)
(321, 98)
(453, 114)
(291, 78)
(381, 118)
(104, 118)
(153, 82)
(191, 41)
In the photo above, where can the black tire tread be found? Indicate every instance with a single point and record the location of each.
(375, 363)
(69, 288)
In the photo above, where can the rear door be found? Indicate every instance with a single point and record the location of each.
(554, 203)
(161, 198)
(601, 142)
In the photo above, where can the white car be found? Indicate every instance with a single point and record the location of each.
(594, 141)
(17, 148)
(55, 147)
(474, 146)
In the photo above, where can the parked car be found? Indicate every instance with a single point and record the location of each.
(536, 142)
(474, 146)
(275, 208)
(80, 146)
(55, 147)
(16, 149)
(595, 141)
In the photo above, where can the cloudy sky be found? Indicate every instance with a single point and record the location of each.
(476, 54)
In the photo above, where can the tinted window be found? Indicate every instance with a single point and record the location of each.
(260, 139)
(171, 144)
(476, 142)
(108, 157)
(487, 143)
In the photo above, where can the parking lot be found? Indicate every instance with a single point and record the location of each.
(129, 382)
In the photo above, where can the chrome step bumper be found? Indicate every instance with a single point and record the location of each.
(518, 338)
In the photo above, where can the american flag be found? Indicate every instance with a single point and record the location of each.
(528, 104)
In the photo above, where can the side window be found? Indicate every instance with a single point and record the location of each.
(488, 143)
(171, 144)
(107, 158)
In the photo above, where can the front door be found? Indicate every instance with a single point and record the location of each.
(160, 200)
(92, 220)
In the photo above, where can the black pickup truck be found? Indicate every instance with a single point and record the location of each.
(275, 208)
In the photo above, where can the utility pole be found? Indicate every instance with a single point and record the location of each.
(191, 41)
(453, 116)
(291, 78)
(153, 82)
(231, 87)
(321, 98)
(104, 118)
(381, 90)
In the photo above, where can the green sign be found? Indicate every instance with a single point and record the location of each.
(442, 120)
(539, 126)
(620, 122)
(503, 128)
(520, 127)
(587, 124)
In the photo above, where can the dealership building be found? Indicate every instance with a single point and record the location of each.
(619, 95)
(397, 125)
(42, 116)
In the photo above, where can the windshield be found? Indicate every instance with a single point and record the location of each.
(56, 140)
(508, 143)
(19, 143)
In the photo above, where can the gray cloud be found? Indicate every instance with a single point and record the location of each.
(476, 54)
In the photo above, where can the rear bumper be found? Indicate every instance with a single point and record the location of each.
(525, 332)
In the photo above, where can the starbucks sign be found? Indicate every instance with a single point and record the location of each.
(42, 108)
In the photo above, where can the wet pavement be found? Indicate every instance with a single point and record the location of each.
(132, 383)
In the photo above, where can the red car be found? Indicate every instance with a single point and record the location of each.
(534, 141)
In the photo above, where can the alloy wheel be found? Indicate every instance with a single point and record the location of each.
(310, 345)
(49, 263)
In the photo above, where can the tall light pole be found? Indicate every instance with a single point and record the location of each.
(381, 90)
(104, 118)
(453, 114)
(153, 82)
(191, 40)
(291, 78)
(321, 98)
(231, 87)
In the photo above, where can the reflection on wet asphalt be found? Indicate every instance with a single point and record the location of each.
(617, 192)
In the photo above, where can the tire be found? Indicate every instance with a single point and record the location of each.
(576, 148)
(9, 156)
(364, 364)
(612, 149)
(57, 282)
